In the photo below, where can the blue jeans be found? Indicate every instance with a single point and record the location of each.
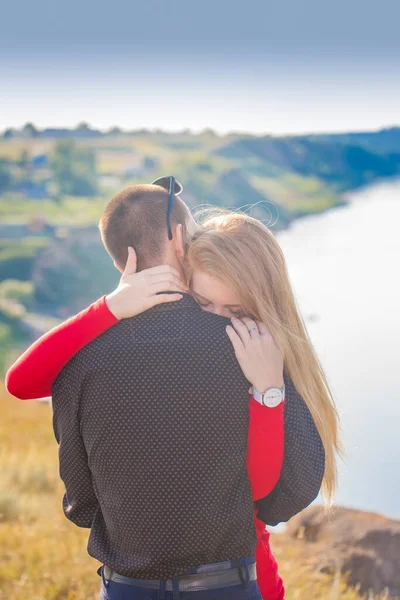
(110, 590)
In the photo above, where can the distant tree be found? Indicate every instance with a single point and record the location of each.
(207, 131)
(74, 169)
(140, 132)
(87, 157)
(30, 130)
(24, 159)
(5, 175)
(150, 163)
(9, 133)
(114, 131)
(82, 128)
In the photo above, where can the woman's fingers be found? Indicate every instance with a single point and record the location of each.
(252, 327)
(131, 263)
(167, 275)
(162, 298)
(166, 285)
(138, 292)
(263, 329)
(168, 278)
(235, 339)
(259, 358)
(162, 270)
(241, 329)
(267, 334)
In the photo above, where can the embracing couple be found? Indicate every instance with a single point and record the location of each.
(189, 405)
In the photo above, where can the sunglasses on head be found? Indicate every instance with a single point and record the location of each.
(174, 188)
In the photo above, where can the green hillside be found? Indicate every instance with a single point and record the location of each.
(55, 183)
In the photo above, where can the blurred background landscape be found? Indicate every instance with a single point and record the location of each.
(289, 112)
(55, 183)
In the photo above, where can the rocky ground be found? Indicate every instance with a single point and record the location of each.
(365, 546)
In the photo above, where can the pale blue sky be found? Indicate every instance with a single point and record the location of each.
(287, 67)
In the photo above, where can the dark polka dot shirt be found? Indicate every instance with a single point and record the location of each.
(151, 420)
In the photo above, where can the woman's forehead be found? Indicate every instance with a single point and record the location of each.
(213, 289)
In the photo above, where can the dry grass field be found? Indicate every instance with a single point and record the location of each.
(43, 556)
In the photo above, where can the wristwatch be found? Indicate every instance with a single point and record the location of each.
(271, 397)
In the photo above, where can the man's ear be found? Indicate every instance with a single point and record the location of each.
(178, 242)
(118, 267)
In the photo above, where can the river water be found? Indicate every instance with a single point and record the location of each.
(344, 267)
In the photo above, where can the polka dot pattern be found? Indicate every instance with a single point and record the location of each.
(151, 420)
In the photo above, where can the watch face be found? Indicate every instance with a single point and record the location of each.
(272, 398)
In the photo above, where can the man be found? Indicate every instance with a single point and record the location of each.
(151, 419)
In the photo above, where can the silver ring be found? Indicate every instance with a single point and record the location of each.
(254, 329)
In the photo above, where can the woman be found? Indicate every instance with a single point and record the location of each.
(244, 256)
(224, 277)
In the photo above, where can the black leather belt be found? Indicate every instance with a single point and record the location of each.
(191, 583)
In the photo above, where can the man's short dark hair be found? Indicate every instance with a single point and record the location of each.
(137, 216)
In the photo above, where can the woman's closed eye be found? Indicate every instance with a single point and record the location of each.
(237, 314)
(219, 308)
(203, 303)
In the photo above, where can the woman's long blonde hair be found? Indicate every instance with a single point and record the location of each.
(244, 254)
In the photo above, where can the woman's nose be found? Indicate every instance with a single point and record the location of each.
(218, 310)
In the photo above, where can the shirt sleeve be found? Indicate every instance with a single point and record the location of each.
(264, 463)
(265, 447)
(32, 375)
(79, 502)
(303, 462)
(268, 578)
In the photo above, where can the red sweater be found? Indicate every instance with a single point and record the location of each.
(33, 374)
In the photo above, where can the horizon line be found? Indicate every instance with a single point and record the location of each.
(18, 130)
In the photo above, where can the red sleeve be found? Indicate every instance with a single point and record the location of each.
(264, 463)
(268, 579)
(265, 447)
(33, 374)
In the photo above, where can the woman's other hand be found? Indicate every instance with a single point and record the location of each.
(257, 353)
(138, 292)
